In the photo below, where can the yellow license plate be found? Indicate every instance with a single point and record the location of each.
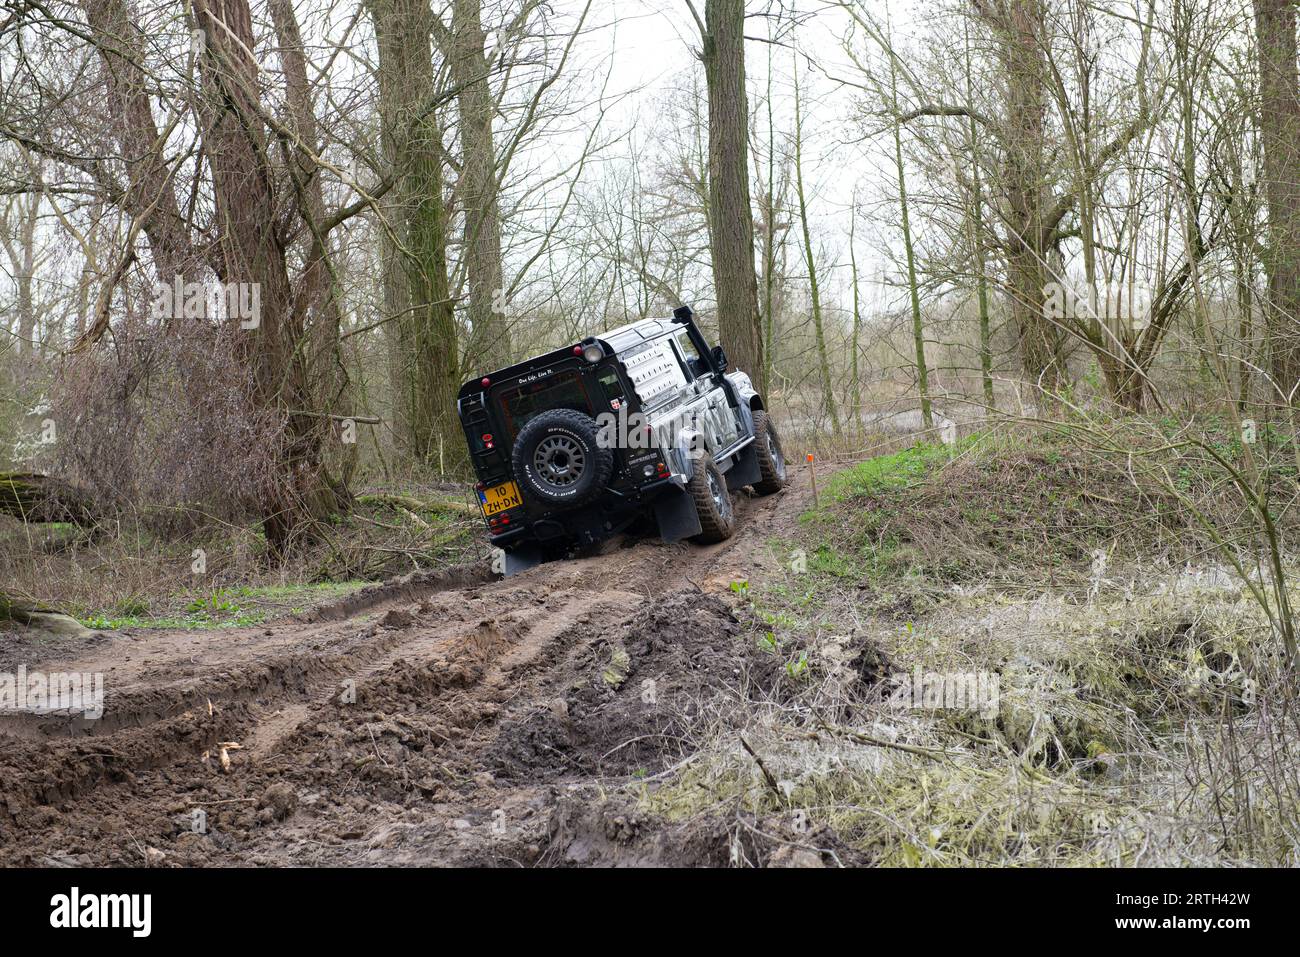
(498, 498)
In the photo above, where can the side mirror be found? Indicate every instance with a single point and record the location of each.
(719, 359)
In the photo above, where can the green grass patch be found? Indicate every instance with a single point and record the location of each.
(895, 471)
(1014, 510)
(235, 607)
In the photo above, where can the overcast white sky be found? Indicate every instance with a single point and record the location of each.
(651, 43)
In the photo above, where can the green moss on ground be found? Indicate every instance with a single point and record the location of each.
(138, 575)
(223, 608)
(1116, 707)
(1012, 510)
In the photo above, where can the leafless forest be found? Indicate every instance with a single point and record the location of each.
(1020, 280)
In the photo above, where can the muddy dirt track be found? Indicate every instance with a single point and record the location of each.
(444, 718)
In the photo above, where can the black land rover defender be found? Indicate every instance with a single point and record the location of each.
(642, 421)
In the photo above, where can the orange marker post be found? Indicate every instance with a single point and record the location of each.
(812, 471)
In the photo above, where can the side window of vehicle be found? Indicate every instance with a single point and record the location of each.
(682, 360)
(690, 356)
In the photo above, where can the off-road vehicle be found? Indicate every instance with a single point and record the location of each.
(642, 422)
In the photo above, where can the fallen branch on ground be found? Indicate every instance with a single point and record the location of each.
(32, 497)
(407, 503)
(35, 615)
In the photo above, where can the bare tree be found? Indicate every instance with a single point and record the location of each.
(829, 402)
(251, 250)
(18, 236)
(478, 191)
(731, 217)
(1279, 123)
(429, 369)
(1019, 28)
(149, 191)
(909, 251)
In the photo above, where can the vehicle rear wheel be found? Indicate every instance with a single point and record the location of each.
(708, 489)
(558, 460)
(771, 460)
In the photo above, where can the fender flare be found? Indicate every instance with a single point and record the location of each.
(682, 451)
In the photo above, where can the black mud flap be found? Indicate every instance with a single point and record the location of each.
(521, 559)
(676, 515)
(745, 470)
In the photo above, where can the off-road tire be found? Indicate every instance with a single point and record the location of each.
(771, 458)
(558, 460)
(712, 502)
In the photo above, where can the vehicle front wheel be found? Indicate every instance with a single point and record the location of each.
(771, 460)
(712, 502)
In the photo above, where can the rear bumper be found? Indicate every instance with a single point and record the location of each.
(584, 524)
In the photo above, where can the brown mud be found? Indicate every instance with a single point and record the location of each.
(440, 719)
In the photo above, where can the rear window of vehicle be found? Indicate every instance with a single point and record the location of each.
(611, 385)
(523, 403)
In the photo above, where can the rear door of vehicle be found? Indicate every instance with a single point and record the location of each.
(513, 402)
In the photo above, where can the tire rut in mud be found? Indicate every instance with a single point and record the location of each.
(447, 729)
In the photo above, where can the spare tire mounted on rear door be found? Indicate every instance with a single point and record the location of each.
(558, 460)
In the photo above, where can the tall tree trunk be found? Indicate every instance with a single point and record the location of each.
(149, 192)
(1243, 263)
(427, 328)
(855, 378)
(810, 259)
(390, 213)
(250, 250)
(1021, 35)
(317, 288)
(909, 251)
(977, 238)
(731, 220)
(490, 344)
(1279, 121)
(768, 251)
(20, 220)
